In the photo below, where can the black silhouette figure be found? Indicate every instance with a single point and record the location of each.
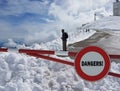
(64, 40)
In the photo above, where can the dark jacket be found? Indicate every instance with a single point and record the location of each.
(64, 36)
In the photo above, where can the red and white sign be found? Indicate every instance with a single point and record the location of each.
(92, 63)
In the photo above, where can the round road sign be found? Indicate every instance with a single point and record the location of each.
(92, 63)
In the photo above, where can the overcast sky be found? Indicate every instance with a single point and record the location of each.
(42, 19)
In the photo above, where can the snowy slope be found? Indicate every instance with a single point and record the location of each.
(77, 36)
(111, 23)
(19, 72)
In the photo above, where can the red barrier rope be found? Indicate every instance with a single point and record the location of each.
(3, 49)
(53, 52)
(51, 59)
(114, 74)
(114, 56)
(44, 52)
(36, 51)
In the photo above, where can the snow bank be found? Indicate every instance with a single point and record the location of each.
(23, 73)
(19, 72)
(10, 43)
(111, 23)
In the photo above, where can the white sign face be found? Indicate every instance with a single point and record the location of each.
(92, 63)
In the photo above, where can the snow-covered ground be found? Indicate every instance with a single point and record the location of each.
(19, 72)
(111, 23)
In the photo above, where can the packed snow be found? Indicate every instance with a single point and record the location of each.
(19, 72)
(111, 23)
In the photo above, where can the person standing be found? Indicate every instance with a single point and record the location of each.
(64, 40)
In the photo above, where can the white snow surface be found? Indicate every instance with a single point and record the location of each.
(111, 23)
(19, 72)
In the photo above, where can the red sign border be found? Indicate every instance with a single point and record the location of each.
(92, 49)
